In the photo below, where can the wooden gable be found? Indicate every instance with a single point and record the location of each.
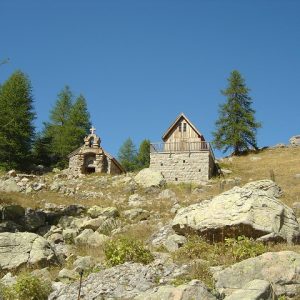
(182, 129)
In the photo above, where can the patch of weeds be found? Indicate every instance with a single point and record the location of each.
(27, 287)
(243, 247)
(231, 251)
(125, 249)
(199, 271)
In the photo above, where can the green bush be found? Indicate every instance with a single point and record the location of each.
(243, 247)
(125, 249)
(27, 287)
(231, 251)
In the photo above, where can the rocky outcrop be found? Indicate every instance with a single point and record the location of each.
(279, 268)
(148, 178)
(120, 282)
(295, 140)
(254, 290)
(24, 249)
(252, 211)
(193, 290)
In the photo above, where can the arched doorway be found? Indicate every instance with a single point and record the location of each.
(89, 163)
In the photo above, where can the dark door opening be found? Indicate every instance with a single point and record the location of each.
(90, 170)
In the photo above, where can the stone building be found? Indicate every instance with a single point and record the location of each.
(184, 155)
(92, 158)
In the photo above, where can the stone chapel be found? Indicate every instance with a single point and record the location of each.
(92, 158)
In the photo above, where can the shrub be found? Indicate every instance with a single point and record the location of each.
(27, 287)
(243, 247)
(233, 250)
(125, 249)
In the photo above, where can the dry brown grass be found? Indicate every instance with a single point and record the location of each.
(280, 163)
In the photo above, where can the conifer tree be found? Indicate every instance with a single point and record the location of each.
(143, 156)
(16, 121)
(236, 127)
(69, 123)
(128, 155)
(57, 130)
(79, 122)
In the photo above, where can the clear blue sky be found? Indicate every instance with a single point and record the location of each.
(140, 63)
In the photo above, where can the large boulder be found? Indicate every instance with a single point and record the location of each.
(9, 186)
(254, 290)
(24, 249)
(282, 269)
(295, 140)
(193, 290)
(148, 178)
(252, 211)
(120, 282)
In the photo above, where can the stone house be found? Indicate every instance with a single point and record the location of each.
(92, 158)
(184, 155)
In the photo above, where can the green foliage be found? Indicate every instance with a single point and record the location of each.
(231, 251)
(125, 249)
(199, 271)
(243, 247)
(69, 123)
(236, 127)
(27, 287)
(143, 156)
(16, 122)
(128, 155)
(130, 159)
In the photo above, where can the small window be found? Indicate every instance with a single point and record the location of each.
(184, 127)
(179, 127)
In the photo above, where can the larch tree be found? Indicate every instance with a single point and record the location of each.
(16, 122)
(128, 155)
(79, 122)
(236, 127)
(143, 156)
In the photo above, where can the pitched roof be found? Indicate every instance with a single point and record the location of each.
(181, 116)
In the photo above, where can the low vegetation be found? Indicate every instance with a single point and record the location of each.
(124, 250)
(27, 287)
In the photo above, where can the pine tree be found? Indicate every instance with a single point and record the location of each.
(79, 122)
(16, 121)
(57, 130)
(128, 155)
(69, 123)
(143, 156)
(236, 127)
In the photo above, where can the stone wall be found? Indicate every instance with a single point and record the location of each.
(183, 167)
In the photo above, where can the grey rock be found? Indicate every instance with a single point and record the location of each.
(24, 249)
(8, 279)
(97, 211)
(43, 274)
(295, 140)
(120, 282)
(254, 290)
(83, 263)
(37, 186)
(174, 242)
(93, 224)
(159, 237)
(10, 226)
(12, 173)
(280, 268)
(296, 208)
(136, 200)
(90, 238)
(136, 214)
(9, 186)
(66, 275)
(193, 290)
(33, 219)
(69, 235)
(252, 211)
(148, 178)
